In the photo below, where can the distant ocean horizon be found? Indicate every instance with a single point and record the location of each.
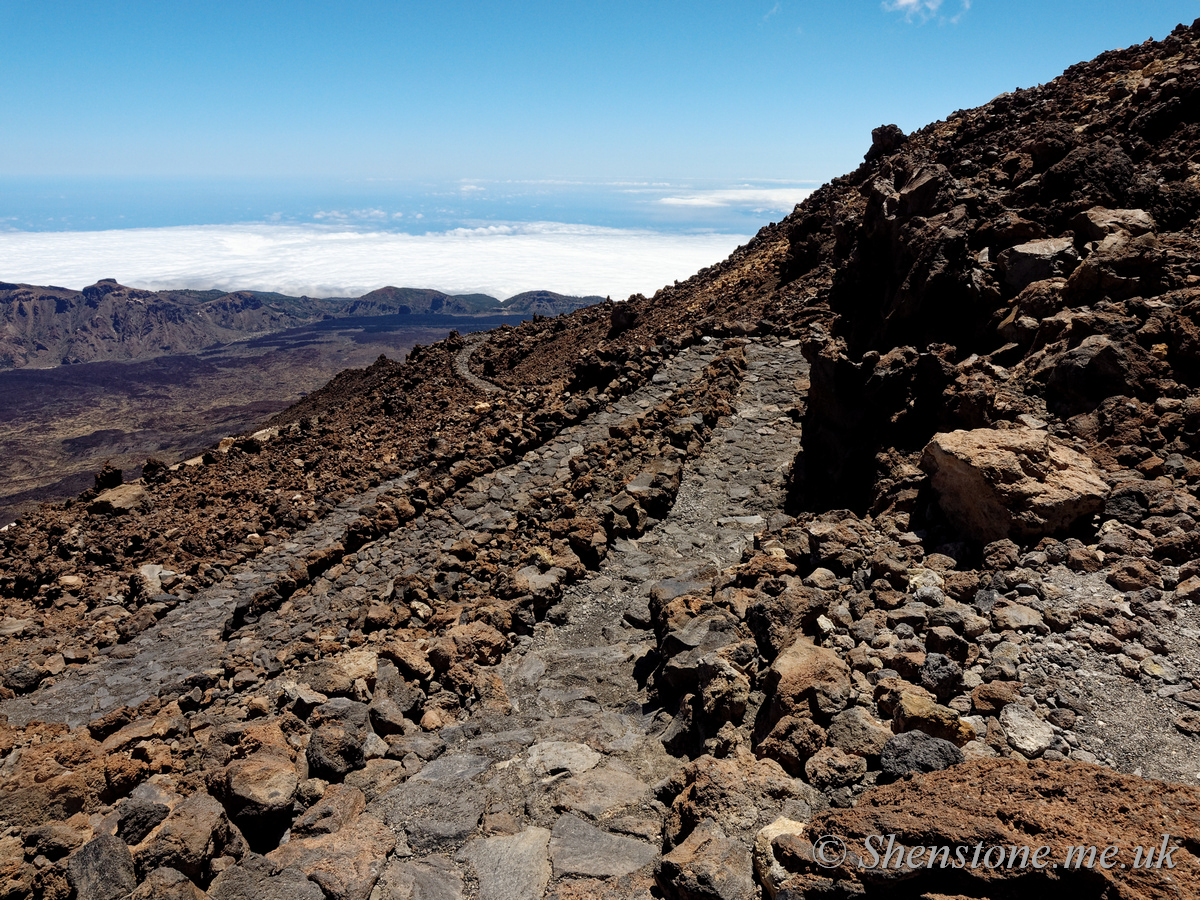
(345, 238)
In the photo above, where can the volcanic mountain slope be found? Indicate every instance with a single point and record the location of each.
(43, 326)
(884, 526)
(50, 326)
(391, 300)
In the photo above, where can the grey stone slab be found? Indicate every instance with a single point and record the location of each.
(432, 814)
(430, 878)
(553, 757)
(577, 848)
(454, 767)
(255, 878)
(510, 868)
(598, 791)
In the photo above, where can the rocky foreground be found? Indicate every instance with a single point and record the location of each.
(883, 527)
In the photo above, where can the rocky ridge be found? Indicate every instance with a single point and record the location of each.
(883, 526)
(51, 326)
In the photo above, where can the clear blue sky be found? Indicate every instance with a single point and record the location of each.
(750, 89)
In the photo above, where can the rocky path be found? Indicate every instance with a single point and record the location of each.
(554, 797)
(549, 761)
(188, 639)
(547, 788)
(462, 363)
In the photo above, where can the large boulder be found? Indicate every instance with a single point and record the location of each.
(1038, 260)
(196, 832)
(102, 869)
(1018, 482)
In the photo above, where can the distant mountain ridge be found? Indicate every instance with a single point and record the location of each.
(50, 326)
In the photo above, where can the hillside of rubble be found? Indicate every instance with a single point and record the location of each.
(885, 525)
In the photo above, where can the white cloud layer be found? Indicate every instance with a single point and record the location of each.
(778, 199)
(500, 260)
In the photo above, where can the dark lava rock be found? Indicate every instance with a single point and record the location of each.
(138, 818)
(340, 728)
(941, 676)
(916, 751)
(24, 678)
(102, 869)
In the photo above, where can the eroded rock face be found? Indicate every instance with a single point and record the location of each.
(1019, 482)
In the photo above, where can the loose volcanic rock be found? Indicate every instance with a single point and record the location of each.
(707, 866)
(196, 832)
(102, 868)
(1025, 731)
(169, 884)
(344, 864)
(916, 751)
(340, 731)
(257, 878)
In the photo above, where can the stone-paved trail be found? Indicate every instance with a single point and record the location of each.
(561, 786)
(188, 639)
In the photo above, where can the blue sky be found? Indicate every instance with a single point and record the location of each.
(753, 89)
(452, 118)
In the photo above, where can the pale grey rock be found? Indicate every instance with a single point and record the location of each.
(599, 790)
(510, 868)
(430, 878)
(577, 848)
(1026, 733)
(553, 757)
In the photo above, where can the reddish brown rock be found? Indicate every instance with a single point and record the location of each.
(707, 866)
(195, 833)
(1015, 482)
(917, 712)
(345, 864)
(808, 679)
(988, 699)
(742, 792)
(1006, 803)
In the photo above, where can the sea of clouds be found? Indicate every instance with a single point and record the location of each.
(327, 260)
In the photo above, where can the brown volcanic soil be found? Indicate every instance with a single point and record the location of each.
(620, 603)
(59, 426)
